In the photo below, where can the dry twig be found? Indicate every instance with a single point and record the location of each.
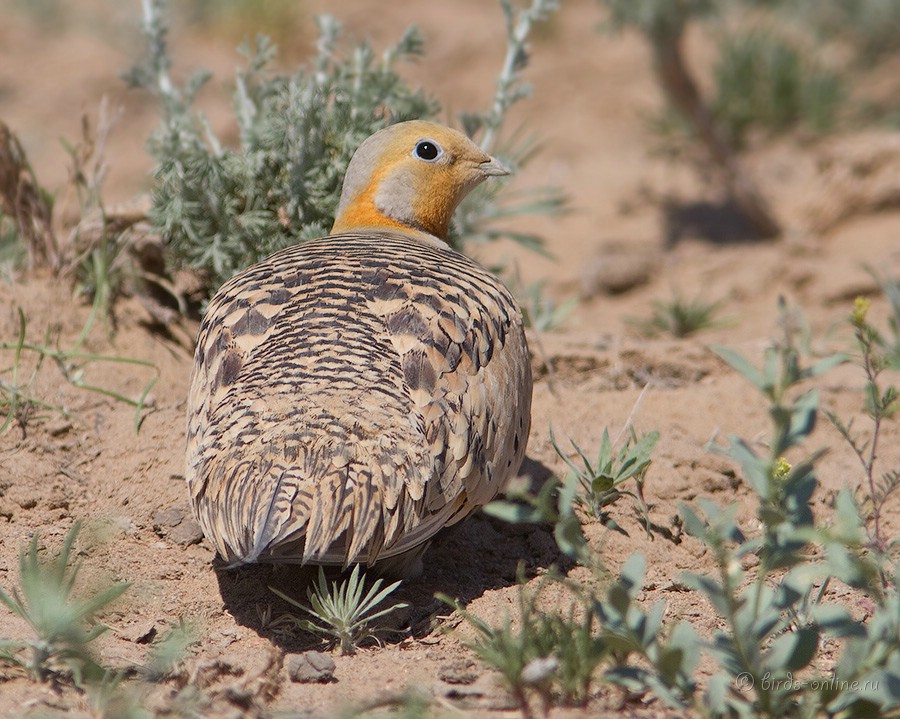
(21, 200)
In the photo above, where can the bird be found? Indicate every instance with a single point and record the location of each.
(354, 394)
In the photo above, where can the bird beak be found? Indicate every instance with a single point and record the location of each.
(492, 167)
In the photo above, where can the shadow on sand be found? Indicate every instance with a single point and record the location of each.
(720, 223)
(463, 561)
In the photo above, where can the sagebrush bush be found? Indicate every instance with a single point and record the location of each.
(223, 208)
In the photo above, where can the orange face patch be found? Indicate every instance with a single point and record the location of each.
(391, 187)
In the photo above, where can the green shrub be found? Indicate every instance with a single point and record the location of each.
(870, 27)
(769, 72)
(221, 209)
(882, 400)
(341, 610)
(763, 81)
(553, 653)
(768, 588)
(678, 317)
(63, 625)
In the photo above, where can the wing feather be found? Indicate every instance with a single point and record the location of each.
(350, 397)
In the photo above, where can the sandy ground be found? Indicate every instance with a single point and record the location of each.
(590, 91)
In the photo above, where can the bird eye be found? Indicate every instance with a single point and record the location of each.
(427, 150)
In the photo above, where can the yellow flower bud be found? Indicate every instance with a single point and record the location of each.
(860, 309)
(782, 468)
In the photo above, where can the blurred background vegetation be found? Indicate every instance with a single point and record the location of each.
(766, 68)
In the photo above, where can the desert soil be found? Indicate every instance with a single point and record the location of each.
(590, 92)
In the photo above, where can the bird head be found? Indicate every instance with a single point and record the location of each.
(411, 176)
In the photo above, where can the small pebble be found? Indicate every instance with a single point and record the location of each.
(538, 670)
(459, 671)
(59, 427)
(310, 668)
(141, 633)
(186, 533)
(171, 517)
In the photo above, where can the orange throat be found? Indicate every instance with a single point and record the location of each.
(432, 216)
(364, 214)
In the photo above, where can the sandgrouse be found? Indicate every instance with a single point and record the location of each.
(354, 394)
